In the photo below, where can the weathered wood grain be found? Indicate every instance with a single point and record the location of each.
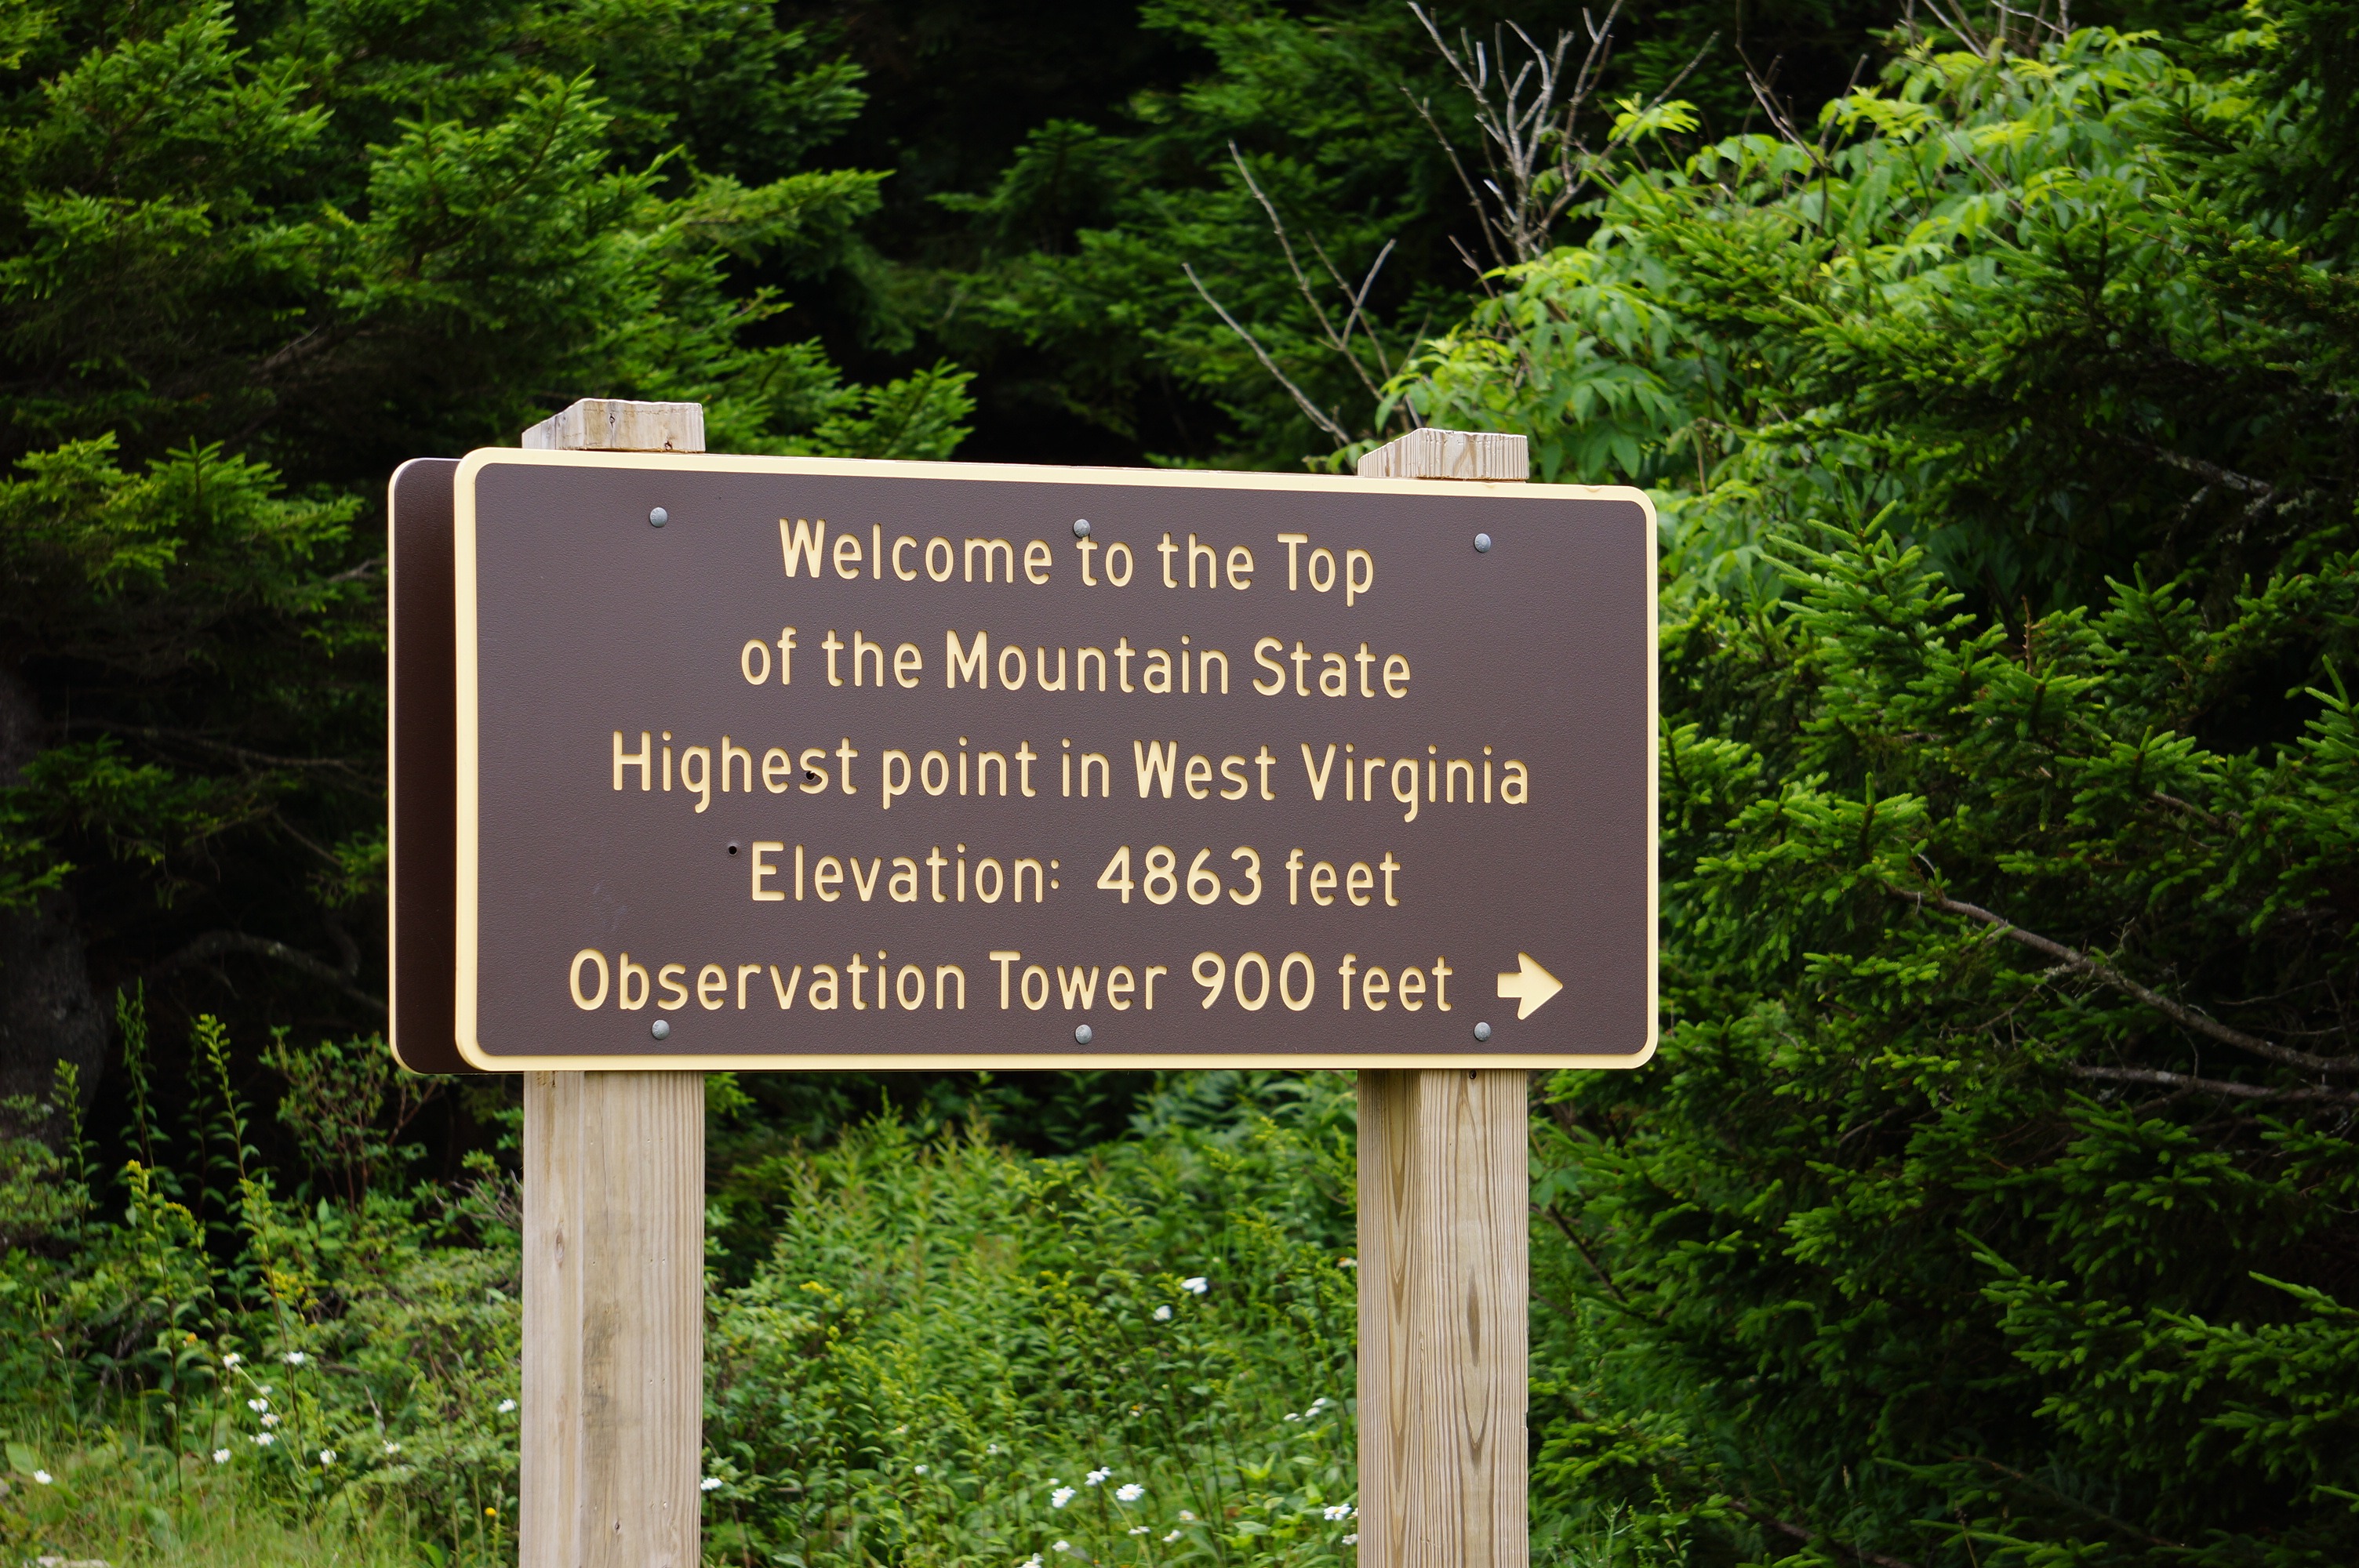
(1445, 1249)
(1444, 1279)
(611, 425)
(613, 1341)
(1449, 454)
(613, 1428)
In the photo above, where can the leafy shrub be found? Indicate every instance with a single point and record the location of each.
(1991, 1201)
(943, 1334)
(955, 1354)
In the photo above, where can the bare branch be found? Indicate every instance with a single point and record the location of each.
(1982, 48)
(1474, 196)
(2072, 958)
(1285, 245)
(1359, 309)
(1812, 1538)
(2264, 493)
(1764, 95)
(2211, 1086)
(1318, 416)
(1528, 122)
(1565, 1227)
(217, 943)
(1339, 341)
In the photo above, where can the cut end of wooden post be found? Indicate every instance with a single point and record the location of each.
(611, 425)
(1482, 455)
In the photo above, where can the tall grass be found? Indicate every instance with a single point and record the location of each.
(114, 1498)
(949, 1355)
(955, 1355)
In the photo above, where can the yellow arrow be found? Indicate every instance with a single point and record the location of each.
(1528, 987)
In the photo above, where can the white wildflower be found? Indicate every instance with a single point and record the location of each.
(327, 1456)
(232, 1359)
(1347, 1262)
(1186, 1515)
(1352, 1540)
(507, 1405)
(1031, 1561)
(1129, 1492)
(1139, 1529)
(1163, 1314)
(922, 1469)
(1095, 1476)
(271, 1418)
(992, 1448)
(257, 1404)
(1339, 1511)
(263, 1439)
(1062, 1546)
(1173, 1536)
(294, 1358)
(43, 1477)
(393, 1448)
(220, 1455)
(710, 1483)
(1291, 1416)
(1061, 1497)
(268, 1390)
(1197, 1286)
(1319, 1404)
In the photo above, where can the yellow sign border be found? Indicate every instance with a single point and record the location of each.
(467, 929)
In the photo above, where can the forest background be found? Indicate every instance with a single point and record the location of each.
(1991, 1201)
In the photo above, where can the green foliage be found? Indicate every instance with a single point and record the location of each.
(251, 258)
(324, 1369)
(1049, 204)
(899, 1378)
(896, 1378)
(1989, 1202)
(1089, 237)
(2024, 302)
(42, 1191)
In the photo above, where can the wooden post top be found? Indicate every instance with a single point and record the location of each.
(612, 425)
(1480, 455)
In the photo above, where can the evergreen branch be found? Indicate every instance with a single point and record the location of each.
(2072, 958)
(1812, 1538)
(2077, 1505)
(2211, 1086)
(2190, 807)
(215, 943)
(1582, 1247)
(222, 748)
(2211, 474)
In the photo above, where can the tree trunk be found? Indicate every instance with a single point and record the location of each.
(48, 1011)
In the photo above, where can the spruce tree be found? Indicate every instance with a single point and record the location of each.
(251, 259)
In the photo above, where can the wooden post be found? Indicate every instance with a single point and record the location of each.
(1444, 1191)
(614, 1248)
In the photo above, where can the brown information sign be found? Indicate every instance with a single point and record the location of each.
(779, 763)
